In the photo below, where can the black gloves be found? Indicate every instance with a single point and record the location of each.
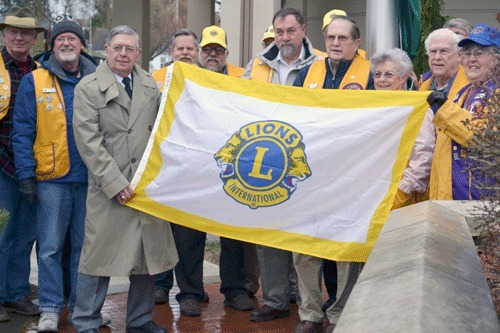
(27, 189)
(436, 99)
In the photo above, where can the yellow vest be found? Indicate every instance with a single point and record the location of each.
(4, 89)
(234, 70)
(357, 75)
(261, 71)
(459, 82)
(51, 144)
(159, 76)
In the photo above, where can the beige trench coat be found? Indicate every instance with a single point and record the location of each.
(111, 134)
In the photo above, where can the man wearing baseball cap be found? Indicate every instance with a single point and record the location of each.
(19, 31)
(213, 52)
(48, 165)
(213, 56)
(451, 178)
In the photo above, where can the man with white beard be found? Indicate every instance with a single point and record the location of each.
(47, 160)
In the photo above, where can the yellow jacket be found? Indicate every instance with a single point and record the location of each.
(450, 125)
(446, 123)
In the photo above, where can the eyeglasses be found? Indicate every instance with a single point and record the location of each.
(119, 48)
(340, 38)
(477, 54)
(209, 49)
(434, 52)
(70, 39)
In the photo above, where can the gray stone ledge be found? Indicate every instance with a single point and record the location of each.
(423, 275)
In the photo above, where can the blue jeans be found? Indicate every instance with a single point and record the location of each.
(16, 242)
(61, 209)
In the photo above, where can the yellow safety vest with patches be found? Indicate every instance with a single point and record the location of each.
(358, 73)
(4, 89)
(51, 144)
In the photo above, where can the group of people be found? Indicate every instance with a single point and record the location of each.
(72, 134)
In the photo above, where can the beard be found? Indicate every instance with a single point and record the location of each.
(288, 50)
(214, 67)
(63, 57)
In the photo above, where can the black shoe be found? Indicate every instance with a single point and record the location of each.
(240, 302)
(24, 307)
(266, 313)
(149, 327)
(4, 316)
(161, 296)
(190, 307)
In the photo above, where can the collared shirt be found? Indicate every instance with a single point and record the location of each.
(6, 152)
(120, 79)
(284, 69)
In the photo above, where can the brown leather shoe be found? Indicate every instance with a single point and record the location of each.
(330, 328)
(306, 326)
(266, 313)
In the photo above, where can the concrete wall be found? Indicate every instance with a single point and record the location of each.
(315, 10)
(199, 15)
(484, 11)
(123, 15)
(231, 21)
(244, 22)
(423, 275)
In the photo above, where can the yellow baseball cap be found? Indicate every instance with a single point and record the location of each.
(268, 34)
(213, 35)
(327, 19)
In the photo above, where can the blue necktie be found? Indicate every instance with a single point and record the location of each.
(128, 89)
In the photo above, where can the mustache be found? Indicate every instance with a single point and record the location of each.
(213, 59)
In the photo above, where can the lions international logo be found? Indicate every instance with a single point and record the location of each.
(262, 163)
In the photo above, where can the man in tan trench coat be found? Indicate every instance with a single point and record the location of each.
(112, 130)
